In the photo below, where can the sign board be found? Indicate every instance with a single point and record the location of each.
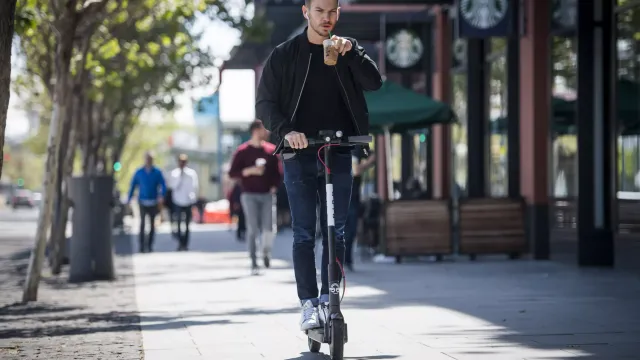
(484, 18)
(206, 111)
(404, 47)
(564, 17)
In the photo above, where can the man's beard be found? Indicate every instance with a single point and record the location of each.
(321, 31)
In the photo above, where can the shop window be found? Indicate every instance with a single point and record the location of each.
(628, 93)
(459, 131)
(498, 164)
(564, 148)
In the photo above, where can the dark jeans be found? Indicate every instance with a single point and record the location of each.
(351, 229)
(182, 213)
(145, 211)
(304, 180)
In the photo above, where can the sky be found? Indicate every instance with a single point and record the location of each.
(237, 91)
(236, 95)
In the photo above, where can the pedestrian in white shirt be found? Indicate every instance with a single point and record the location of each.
(183, 183)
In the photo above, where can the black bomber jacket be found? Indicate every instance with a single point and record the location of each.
(284, 76)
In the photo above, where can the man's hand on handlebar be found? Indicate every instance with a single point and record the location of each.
(297, 140)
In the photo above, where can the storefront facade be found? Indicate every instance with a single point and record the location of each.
(547, 93)
(563, 82)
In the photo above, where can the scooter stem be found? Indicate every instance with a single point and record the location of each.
(334, 276)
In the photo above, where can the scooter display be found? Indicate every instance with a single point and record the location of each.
(333, 331)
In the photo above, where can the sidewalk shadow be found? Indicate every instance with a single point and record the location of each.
(19, 309)
(525, 304)
(90, 323)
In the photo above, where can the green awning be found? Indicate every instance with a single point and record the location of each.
(563, 115)
(564, 112)
(403, 109)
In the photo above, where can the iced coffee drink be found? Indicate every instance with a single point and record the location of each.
(330, 52)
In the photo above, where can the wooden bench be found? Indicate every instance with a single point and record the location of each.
(417, 227)
(628, 216)
(492, 226)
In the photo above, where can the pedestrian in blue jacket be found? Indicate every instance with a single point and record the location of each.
(151, 191)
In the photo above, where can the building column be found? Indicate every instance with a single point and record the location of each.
(477, 102)
(406, 154)
(596, 118)
(429, 67)
(441, 133)
(381, 168)
(535, 110)
(513, 105)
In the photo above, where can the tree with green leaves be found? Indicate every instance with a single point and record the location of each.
(112, 59)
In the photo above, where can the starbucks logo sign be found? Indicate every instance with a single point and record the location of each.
(404, 49)
(483, 14)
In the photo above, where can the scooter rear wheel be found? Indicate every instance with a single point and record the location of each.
(314, 346)
(337, 340)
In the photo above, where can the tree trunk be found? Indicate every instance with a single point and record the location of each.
(64, 49)
(7, 19)
(59, 235)
(59, 198)
(87, 138)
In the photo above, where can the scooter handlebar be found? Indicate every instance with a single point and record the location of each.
(348, 141)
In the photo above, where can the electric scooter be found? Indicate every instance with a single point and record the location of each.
(334, 331)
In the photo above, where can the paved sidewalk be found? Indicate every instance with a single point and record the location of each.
(203, 304)
(89, 321)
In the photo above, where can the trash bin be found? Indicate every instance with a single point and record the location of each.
(91, 247)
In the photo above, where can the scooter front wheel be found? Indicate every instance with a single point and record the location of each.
(337, 339)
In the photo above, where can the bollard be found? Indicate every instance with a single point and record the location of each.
(91, 247)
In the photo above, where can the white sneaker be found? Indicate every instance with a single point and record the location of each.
(309, 316)
(323, 312)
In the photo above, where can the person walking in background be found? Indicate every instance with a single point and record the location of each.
(235, 208)
(360, 163)
(259, 173)
(183, 183)
(151, 189)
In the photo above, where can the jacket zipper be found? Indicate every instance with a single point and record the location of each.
(297, 103)
(353, 117)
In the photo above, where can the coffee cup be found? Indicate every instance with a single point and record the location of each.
(330, 52)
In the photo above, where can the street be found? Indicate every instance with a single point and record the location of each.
(18, 222)
(204, 304)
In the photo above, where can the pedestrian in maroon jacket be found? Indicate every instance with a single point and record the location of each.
(260, 175)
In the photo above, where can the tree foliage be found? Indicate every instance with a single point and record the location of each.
(142, 54)
(100, 64)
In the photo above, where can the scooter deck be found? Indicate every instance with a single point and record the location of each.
(318, 334)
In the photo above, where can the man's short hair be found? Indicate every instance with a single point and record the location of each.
(257, 124)
(308, 2)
